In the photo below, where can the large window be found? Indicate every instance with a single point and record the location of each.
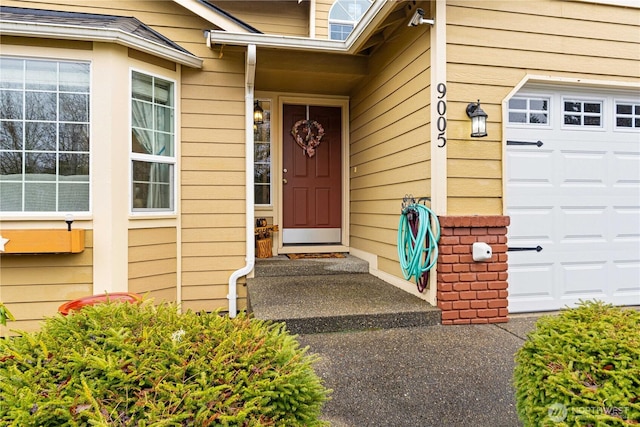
(152, 143)
(344, 15)
(44, 135)
(262, 154)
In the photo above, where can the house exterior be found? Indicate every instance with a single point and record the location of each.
(132, 123)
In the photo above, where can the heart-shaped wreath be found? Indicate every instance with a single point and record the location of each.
(307, 134)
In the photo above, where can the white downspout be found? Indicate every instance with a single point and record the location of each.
(250, 74)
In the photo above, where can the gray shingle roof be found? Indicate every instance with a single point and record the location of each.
(127, 24)
(230, 16)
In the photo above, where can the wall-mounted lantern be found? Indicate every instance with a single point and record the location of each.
(478, 120)
(258, 114)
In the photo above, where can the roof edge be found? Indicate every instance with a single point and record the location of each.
(112, 35)
(374, 14)
(215, 15)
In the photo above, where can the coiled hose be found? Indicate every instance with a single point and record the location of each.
(418, 243)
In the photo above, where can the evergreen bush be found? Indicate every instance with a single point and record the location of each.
(118, 364)
(581, 368)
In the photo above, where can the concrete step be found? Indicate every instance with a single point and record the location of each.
(334, 301)
(283, 266)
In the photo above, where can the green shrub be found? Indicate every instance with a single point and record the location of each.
(581, 368)
(121, 364)
(5, 315)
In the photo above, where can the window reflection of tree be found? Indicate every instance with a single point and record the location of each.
(10, 163)
(44, 131)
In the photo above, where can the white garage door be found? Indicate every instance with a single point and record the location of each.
(573, 195)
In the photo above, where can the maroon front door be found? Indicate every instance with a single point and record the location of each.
(312, 185)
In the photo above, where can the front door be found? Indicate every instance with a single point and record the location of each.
(311, 174)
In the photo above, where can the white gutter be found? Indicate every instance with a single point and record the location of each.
(276, 41)
(109, 35)
(250, 75)
(348, 46)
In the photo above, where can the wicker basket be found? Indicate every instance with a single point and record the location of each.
(264, 248)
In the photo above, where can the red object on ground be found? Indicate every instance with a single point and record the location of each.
(77, 304)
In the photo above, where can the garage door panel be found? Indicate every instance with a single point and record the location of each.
(588, 224)
(626, 171)
(584, 279)
(584, 168)
(531, 225)
(578, 197)
(626, 224)
(626, 275)
(525, 167)
(537, 290)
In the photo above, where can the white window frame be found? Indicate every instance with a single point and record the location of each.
(633, 116)
(583, 100)
(62, 213)
(528, 111)
(267, 115)
(149, 158)
(332, 21)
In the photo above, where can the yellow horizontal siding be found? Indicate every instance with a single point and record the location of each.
(389, 150)
(34, 286)
(207, 263)
(322, 18)
(390, 191)
(153, 265)
(214, 220)
(272, 17)
(477, 205)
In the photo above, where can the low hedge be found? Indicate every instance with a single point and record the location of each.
(581, 368)
(118, 364)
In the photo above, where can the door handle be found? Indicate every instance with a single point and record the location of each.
(537, 143)
(284, 180)
(536, 248)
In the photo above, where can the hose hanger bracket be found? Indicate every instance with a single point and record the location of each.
(418, 236)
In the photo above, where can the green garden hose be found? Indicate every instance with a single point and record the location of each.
(418, 243)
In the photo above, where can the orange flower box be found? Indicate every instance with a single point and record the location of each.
(43, 241)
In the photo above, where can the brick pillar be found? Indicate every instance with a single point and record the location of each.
(469, 291)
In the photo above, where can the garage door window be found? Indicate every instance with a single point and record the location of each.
(627, 115)
(582, 113)
(529, 110)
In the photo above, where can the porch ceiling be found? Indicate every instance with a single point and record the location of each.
(282, 70)
(308, 72)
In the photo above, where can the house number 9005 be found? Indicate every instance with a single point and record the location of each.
(441, 108)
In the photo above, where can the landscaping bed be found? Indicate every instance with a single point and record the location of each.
(145, 365)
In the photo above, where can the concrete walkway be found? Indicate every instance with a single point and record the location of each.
(445, 376)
